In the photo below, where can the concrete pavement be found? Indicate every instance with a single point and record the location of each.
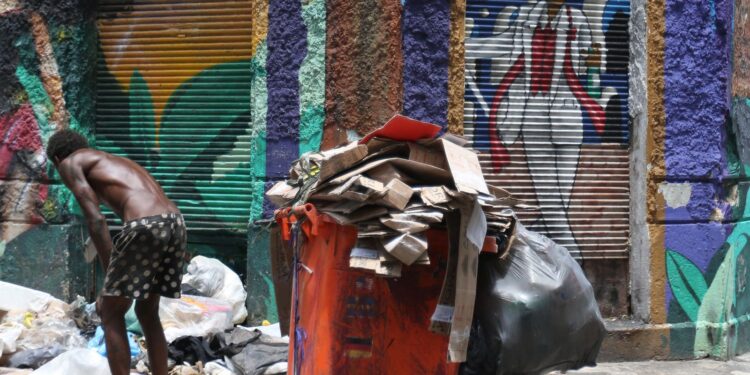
(737, 366)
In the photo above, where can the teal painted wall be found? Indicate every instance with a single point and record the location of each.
(47, 54)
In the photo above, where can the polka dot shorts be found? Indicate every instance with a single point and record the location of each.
(148, 258)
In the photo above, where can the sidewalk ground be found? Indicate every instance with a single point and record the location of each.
(737, 366)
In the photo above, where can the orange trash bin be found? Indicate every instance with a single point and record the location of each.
(348, 321)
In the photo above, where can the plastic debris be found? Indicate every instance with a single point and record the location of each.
(34, 358)
(43, 323)
(194, 316)
(217, 368)
(97, 343)
(211, 278)
(19, 298)
(14, 371)
(131, 321)
(76, 362)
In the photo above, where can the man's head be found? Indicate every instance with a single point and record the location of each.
(63, 143)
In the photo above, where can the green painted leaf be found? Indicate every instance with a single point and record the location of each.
(687, 282)
(199, 111)
(716, 308)
(142, 120)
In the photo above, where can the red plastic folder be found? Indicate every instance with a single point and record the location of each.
(402, 128)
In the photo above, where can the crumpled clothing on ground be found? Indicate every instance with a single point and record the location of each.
(190, 350)
(250, 352)
(261, 354)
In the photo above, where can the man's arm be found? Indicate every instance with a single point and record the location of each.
(75, 179)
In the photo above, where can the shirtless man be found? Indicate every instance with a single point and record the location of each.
(145, 260)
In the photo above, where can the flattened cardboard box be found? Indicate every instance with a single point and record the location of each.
(397, 195)
(281, 193)
(425, 172)
(462, 163)
(407, 247)
(339, 159)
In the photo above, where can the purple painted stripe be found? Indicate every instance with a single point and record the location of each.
(426, 33)
(696, 73)
(287, 46)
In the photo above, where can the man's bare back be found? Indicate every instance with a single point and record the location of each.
(120, 184)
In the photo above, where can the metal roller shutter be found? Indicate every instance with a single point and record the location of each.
(546, 104)
(173, 94)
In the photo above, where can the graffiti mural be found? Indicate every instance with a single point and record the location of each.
(37, 71)
(175, 97)
(546, 102)
(46, 52)
(544, 79)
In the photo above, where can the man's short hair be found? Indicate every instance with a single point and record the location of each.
(65, 142)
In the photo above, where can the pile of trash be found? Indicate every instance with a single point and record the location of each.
(404, 179)
(394, 185)
(45, 335)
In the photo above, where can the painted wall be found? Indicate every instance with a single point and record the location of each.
(699, 165)
(546, 102)
(46, 69)
(327, 72)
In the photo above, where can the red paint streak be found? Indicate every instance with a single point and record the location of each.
(20, 130)
(500, 155)
(590, 105)
(542, 59)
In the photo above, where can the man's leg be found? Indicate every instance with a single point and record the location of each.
(147, 312)
(113, 311)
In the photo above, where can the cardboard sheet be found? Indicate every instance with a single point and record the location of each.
(465, 168)
(396, 195)
(424, 171)
(466, 281)
(407, 247)
(339, 159)
(387, 172)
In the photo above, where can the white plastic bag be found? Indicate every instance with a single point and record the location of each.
(194, 316)
(76, 362)
(16, 297)
(213, 279)
(44, 323)
(214, 368)
(9, 333)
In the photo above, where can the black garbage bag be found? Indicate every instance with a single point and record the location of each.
(535, 311)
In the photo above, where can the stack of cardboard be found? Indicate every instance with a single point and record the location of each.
(394, 185)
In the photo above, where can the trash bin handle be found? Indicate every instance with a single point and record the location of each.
(289, 215)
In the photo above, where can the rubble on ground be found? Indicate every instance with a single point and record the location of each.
(45, 335)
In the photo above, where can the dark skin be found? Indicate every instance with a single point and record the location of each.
(95, 178)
